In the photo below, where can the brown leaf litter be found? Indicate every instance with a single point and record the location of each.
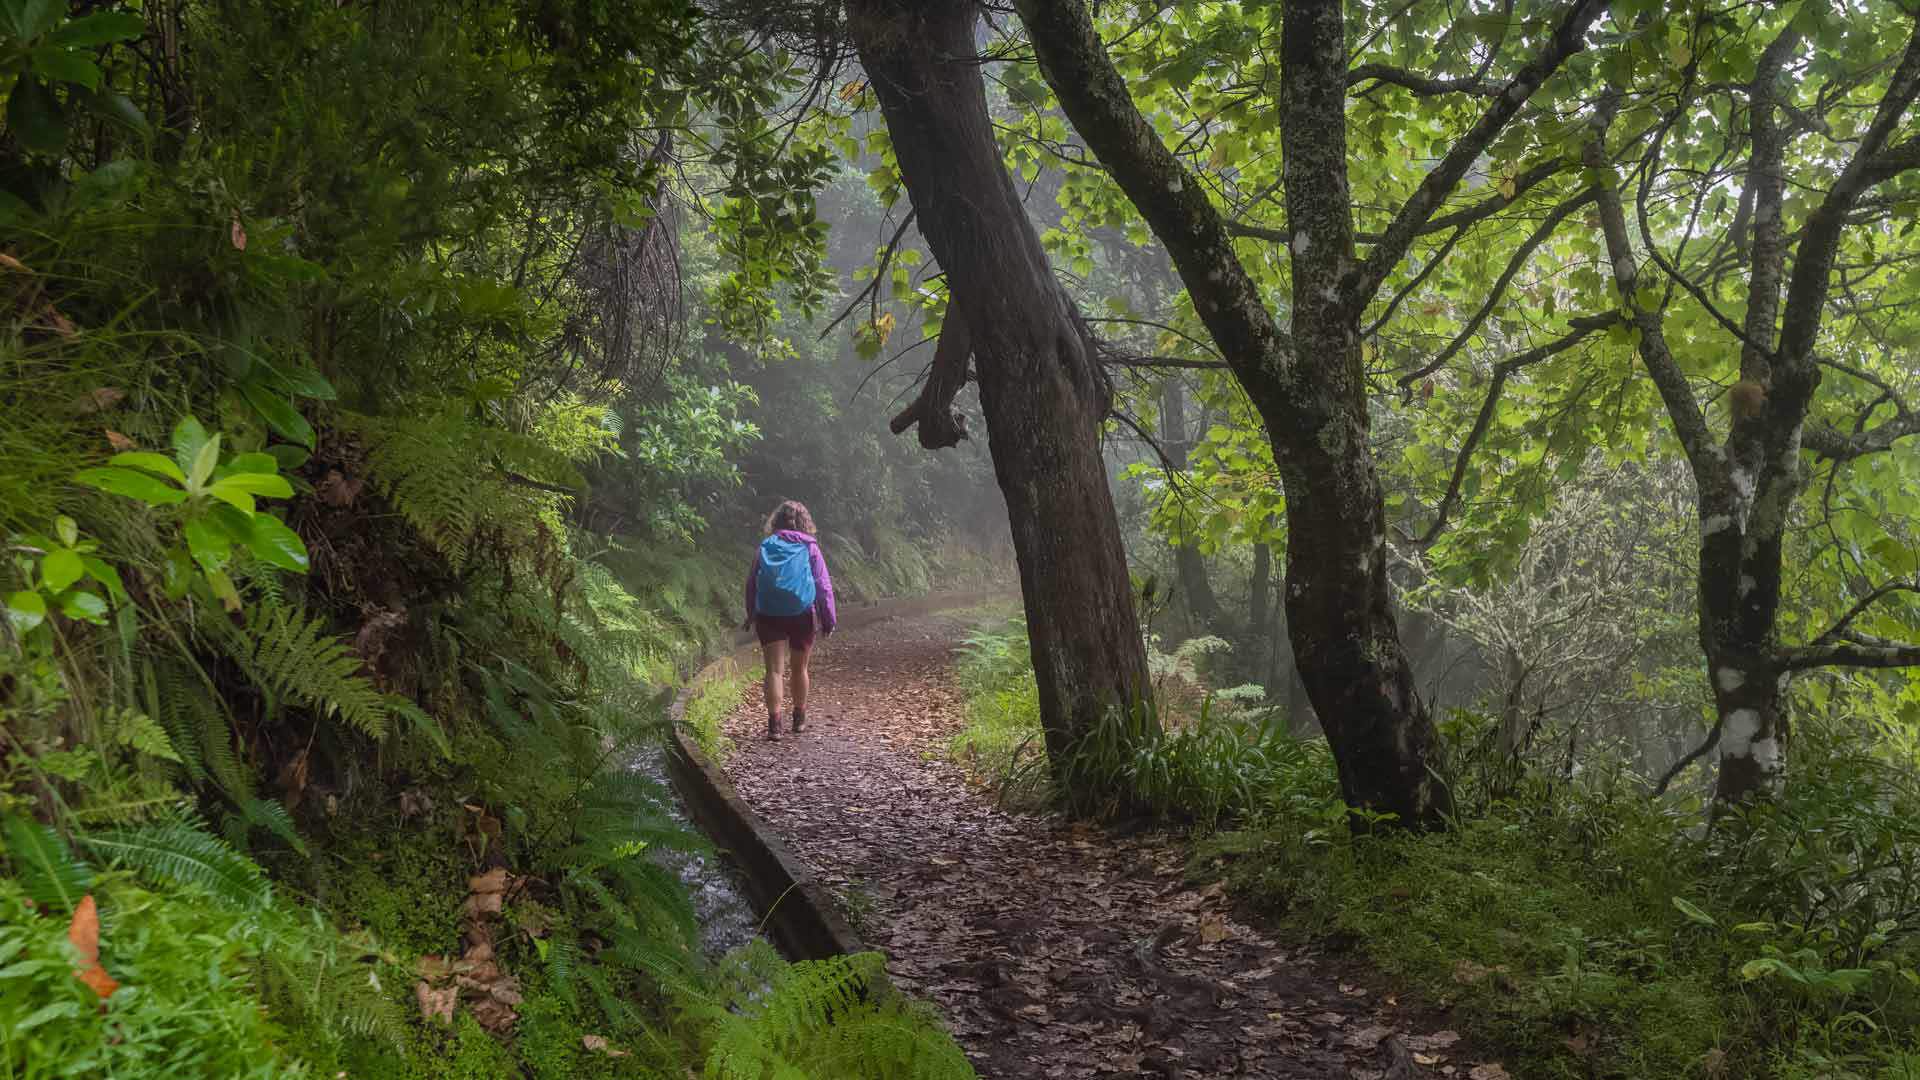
(1054, 949)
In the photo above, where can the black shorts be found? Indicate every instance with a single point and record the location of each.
(796, 630)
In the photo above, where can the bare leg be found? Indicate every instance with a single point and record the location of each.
(774, 655)
(800, 680)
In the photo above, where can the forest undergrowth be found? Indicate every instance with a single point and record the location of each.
(1583, 927)
(362, 504)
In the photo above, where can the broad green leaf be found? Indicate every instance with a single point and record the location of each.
(104, 573)
(1896, 556)
(235, 524)
(35, 117)
(279, 414)
(102, 28)
(232, 496)
(28, 19)
(188, 438)
(176, 574)
(67, 66)
(203, 464)
(266, 485)
(289, 456)
(67, 530)
(158, 464)
(303, 382)
(222, 587)
(209, 543)
(117, 109)
(80, 604)
(26, 610)
(132, 484)
(61, 568)
(274, 543)
(1692, 911)
(254, 462)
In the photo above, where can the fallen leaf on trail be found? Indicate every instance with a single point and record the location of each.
(1489, 1072)
(1578, 1044)
(436, 1004)
(84, 933)
(1428, 1059)
(1214, 929)
(100, 399)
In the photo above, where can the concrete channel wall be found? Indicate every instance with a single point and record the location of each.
(797, 913)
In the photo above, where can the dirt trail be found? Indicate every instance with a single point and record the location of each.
(1054, 950)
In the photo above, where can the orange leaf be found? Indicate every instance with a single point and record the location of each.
(84, 933)
(239, 234)
(98, 980)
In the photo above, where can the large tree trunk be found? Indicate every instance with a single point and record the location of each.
(1747, 483)
(1339, 603)
(1041, 387)
(1188, 563)
(1309, 389)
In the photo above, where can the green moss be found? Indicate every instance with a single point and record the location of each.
(709, 704)
(404, 886)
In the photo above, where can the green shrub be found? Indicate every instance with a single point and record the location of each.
(187, 1005)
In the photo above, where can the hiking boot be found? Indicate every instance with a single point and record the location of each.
(799, 720)
(773, 729)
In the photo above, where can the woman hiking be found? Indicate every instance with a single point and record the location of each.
(789, 599)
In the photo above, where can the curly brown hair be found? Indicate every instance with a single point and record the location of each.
(790, 515)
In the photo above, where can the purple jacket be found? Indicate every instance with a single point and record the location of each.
(825, 615)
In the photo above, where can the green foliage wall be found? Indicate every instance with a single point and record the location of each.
(353, 458)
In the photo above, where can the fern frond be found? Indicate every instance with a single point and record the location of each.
(563, 960)
(181, 853)
(827, 1017)
(272, 816)
(446, 476)
(48, 870)
(295, 659)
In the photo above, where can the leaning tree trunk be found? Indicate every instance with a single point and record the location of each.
(1309, 390)
(1188, 562)
(1339, 602)
(1041, 387)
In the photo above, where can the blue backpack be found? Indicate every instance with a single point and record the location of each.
(784, 582)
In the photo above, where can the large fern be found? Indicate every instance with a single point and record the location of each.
(44, 864)
(448, 476)
(179, 852)
(833, 1017)
(295, 659)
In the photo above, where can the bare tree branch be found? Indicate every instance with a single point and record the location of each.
(1499, 291)
(1581, 328)
(1164, 363)
(1689, 422)
(1859, 651)
(1860, 606)
(1830, 442)
(1568, 38)
(941, 425)
(1422, 85)
(1698, 752)
(872, 289)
